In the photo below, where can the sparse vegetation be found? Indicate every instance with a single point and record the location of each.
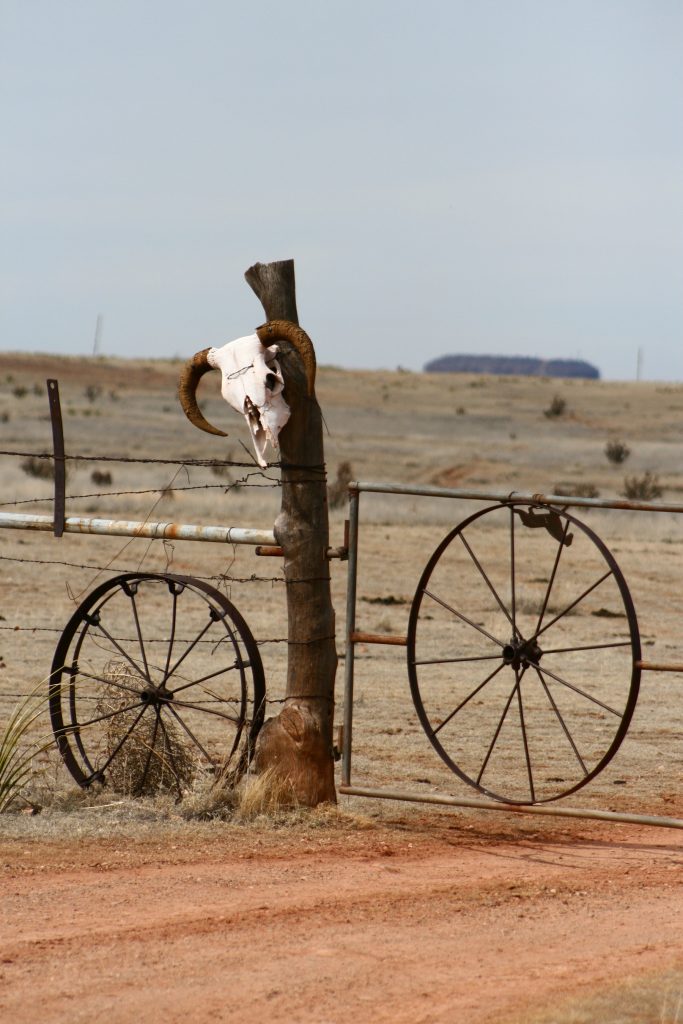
(151, 760)
(642, 488)
(584, 489)
(17, 752)
(617, 452)
(337, 491)
(557, 407)
(20, 391)
(102, 478)
(42, 469)
(92, 392)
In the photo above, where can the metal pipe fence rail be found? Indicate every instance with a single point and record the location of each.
(520, 655)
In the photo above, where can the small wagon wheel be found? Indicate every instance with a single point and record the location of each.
(514, 682)
(155, 678)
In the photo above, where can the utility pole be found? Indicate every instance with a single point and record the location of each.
(98, 335)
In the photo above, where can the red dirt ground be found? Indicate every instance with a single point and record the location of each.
(432, 918)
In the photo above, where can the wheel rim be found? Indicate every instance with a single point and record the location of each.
(517, 691)
(155, 678)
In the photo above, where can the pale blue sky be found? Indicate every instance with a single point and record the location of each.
(496, 176)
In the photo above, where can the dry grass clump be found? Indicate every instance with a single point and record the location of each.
(226, 798)
(337, 492)
(152, 759)
(582, 489)
(17, 751)
(557, 407)
(617, 452)
(642, 488)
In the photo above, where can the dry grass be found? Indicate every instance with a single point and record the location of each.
(151, 760)
(657, 1000)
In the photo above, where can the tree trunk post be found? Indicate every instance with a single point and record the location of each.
(297, 743)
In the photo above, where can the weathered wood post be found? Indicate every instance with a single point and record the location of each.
(297, 743)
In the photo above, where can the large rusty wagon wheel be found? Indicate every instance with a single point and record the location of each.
(523, 653)
(155, 679)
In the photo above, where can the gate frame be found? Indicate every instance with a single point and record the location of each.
(354, 636)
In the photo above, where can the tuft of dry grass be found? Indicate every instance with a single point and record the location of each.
(152, 760)
(17, 750)
(658, 1000)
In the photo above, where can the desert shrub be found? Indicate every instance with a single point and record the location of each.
(617, 452)
(4, 417)
(222, 469)
(557, 407)
(19, 391)
(585, 489)
(337, 491)
(42, 469)
(92, 392)
(102, 478)
(642, 488)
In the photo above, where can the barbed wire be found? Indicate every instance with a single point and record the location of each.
(164, 491)
(218, 578)
(204, 463)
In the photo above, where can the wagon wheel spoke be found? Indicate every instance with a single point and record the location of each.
(561, 721)
(109, 682)
(97, 623)
(487, 581)
(205, 710)
(129, 732)
(522, 723)
(560, 546)
(456, 661)
(152, 746)
(577, 689)
(585, 647)
(570, 607)
(497, 732)
(138, 630)
(211, 675)
(168, 749)
(189, 732)
(469, 697)
(513, 596)
(188, 650)
(101, 718)
(174, 612)
(459, 615)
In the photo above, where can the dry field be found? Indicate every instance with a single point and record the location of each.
(580, 917)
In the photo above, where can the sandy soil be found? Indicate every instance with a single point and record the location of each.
(417, 918)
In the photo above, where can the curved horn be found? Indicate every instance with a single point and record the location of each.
(190, 376)
(276, 330)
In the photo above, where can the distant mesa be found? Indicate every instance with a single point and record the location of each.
(522, 366)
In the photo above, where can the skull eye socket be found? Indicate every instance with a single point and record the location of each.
(271, 381)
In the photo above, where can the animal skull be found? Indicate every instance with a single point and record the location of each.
(251, 381)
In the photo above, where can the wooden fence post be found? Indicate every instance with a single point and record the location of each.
(297, 743)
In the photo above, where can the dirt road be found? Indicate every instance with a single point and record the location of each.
(420, 919)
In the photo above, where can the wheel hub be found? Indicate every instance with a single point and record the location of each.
(520, 653)
(156, 696)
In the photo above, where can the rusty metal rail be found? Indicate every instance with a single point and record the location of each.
(561, 500)
(132, 528)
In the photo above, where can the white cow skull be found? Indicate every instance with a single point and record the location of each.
(251, 381)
